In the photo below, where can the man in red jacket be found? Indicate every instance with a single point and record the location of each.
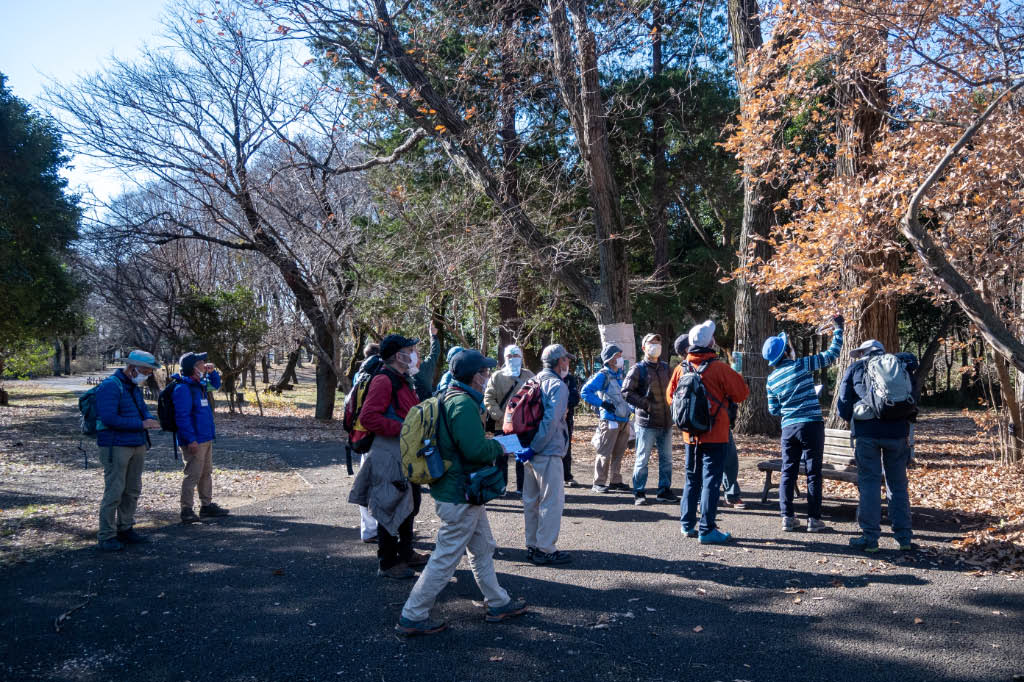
(705, 454)
(393, 501)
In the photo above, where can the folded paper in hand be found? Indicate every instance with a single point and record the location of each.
(511, 443)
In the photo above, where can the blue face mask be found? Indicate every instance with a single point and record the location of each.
(515, 366)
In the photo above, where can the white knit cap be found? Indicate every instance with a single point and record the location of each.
(703, 334)
(511, 350)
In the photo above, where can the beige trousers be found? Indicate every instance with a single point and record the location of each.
(464, 530)
(611, 446)
(198, 470)
(122, 485)
(543, 501)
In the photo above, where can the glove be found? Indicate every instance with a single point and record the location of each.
(608, 406)
(839, 321)
(525, 456)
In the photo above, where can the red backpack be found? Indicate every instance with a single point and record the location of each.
(524, 412)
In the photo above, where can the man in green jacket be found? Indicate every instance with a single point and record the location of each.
(464, 527)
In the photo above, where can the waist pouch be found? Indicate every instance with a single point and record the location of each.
(484, 485)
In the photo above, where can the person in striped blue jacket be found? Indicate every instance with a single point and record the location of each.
(791, 394)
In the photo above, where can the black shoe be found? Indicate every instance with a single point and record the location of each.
(619, 486)
(130, 537)
(189, 516)
(110, 545)
(571, 483)
(555, 558)
(530, 553)
(665, 495)
(211, 510)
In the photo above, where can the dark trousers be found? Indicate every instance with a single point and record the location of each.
(502, 463)
(393, 550)
(704, 465)
(802, 443)
(567, 461)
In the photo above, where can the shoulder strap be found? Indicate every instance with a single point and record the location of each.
(504, 401)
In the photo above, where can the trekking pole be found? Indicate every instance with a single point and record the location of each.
(348, 459)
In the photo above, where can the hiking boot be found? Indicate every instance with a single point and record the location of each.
(424, 627)
(130, 537)
(530, 552)
(571, 483)
(555, 558)
(665, 495)
(864, 544)
(619, 486)
(417, 559)
(211, 510)
(790, 524)
(396, 572)
(690, 533)
(816, 526)
(715, 537)
(110, 545)
(600, 488)
(515, 607)
(189, 516)
(639, 499)
(908, 547)
(735, 503)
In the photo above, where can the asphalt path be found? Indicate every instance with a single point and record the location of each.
(284, 590)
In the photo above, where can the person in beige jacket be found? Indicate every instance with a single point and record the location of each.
(502, 385)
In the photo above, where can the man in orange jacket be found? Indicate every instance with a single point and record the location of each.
(705, 454)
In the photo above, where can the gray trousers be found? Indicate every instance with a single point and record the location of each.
(122, 485)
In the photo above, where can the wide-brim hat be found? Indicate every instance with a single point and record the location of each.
(141, 358)
(774, 348)
(869, 347)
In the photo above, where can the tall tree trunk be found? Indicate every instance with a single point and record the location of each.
(265, 366)
(859, 124)
(659, 178)
(754, 319)
(56, 357)
(928, 357)
(288, 376)
(66, 343)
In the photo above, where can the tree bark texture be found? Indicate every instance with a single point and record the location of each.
(753, 311)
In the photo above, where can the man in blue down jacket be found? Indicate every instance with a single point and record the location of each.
(122, 420)
(194, 417)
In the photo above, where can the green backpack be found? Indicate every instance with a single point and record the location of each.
(422, 462)
(88, 418)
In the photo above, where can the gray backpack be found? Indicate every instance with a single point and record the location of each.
(890, 390)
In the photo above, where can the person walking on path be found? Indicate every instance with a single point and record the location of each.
(502, 385)
(705, 453)
(196, 433)
(380, 484)
(465, 529)
(879, 445)
(791, 394)
(604, 391)
(121, 436)
(544, 487)
(644, 388)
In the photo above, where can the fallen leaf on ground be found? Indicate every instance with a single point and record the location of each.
(699, 628)
(918, 621)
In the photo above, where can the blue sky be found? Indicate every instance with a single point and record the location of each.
(62, 39)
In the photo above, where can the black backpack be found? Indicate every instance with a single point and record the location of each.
(691, 402)
(165, 407)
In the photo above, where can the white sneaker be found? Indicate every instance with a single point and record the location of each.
(816, 526)
(790, 523)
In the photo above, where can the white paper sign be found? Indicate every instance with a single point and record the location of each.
(511, 443)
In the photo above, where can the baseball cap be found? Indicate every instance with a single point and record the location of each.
(554, 353)
(468, 362)
(188, 362)
(392, 343)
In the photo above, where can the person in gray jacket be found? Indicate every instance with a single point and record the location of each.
(544, 488)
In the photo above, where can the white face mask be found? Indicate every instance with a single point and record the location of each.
(563, 372)
(620, 362)
(515, 366)
(654, 350)
(139, 379)
(414, 359)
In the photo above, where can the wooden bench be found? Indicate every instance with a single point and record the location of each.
(838, 462)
